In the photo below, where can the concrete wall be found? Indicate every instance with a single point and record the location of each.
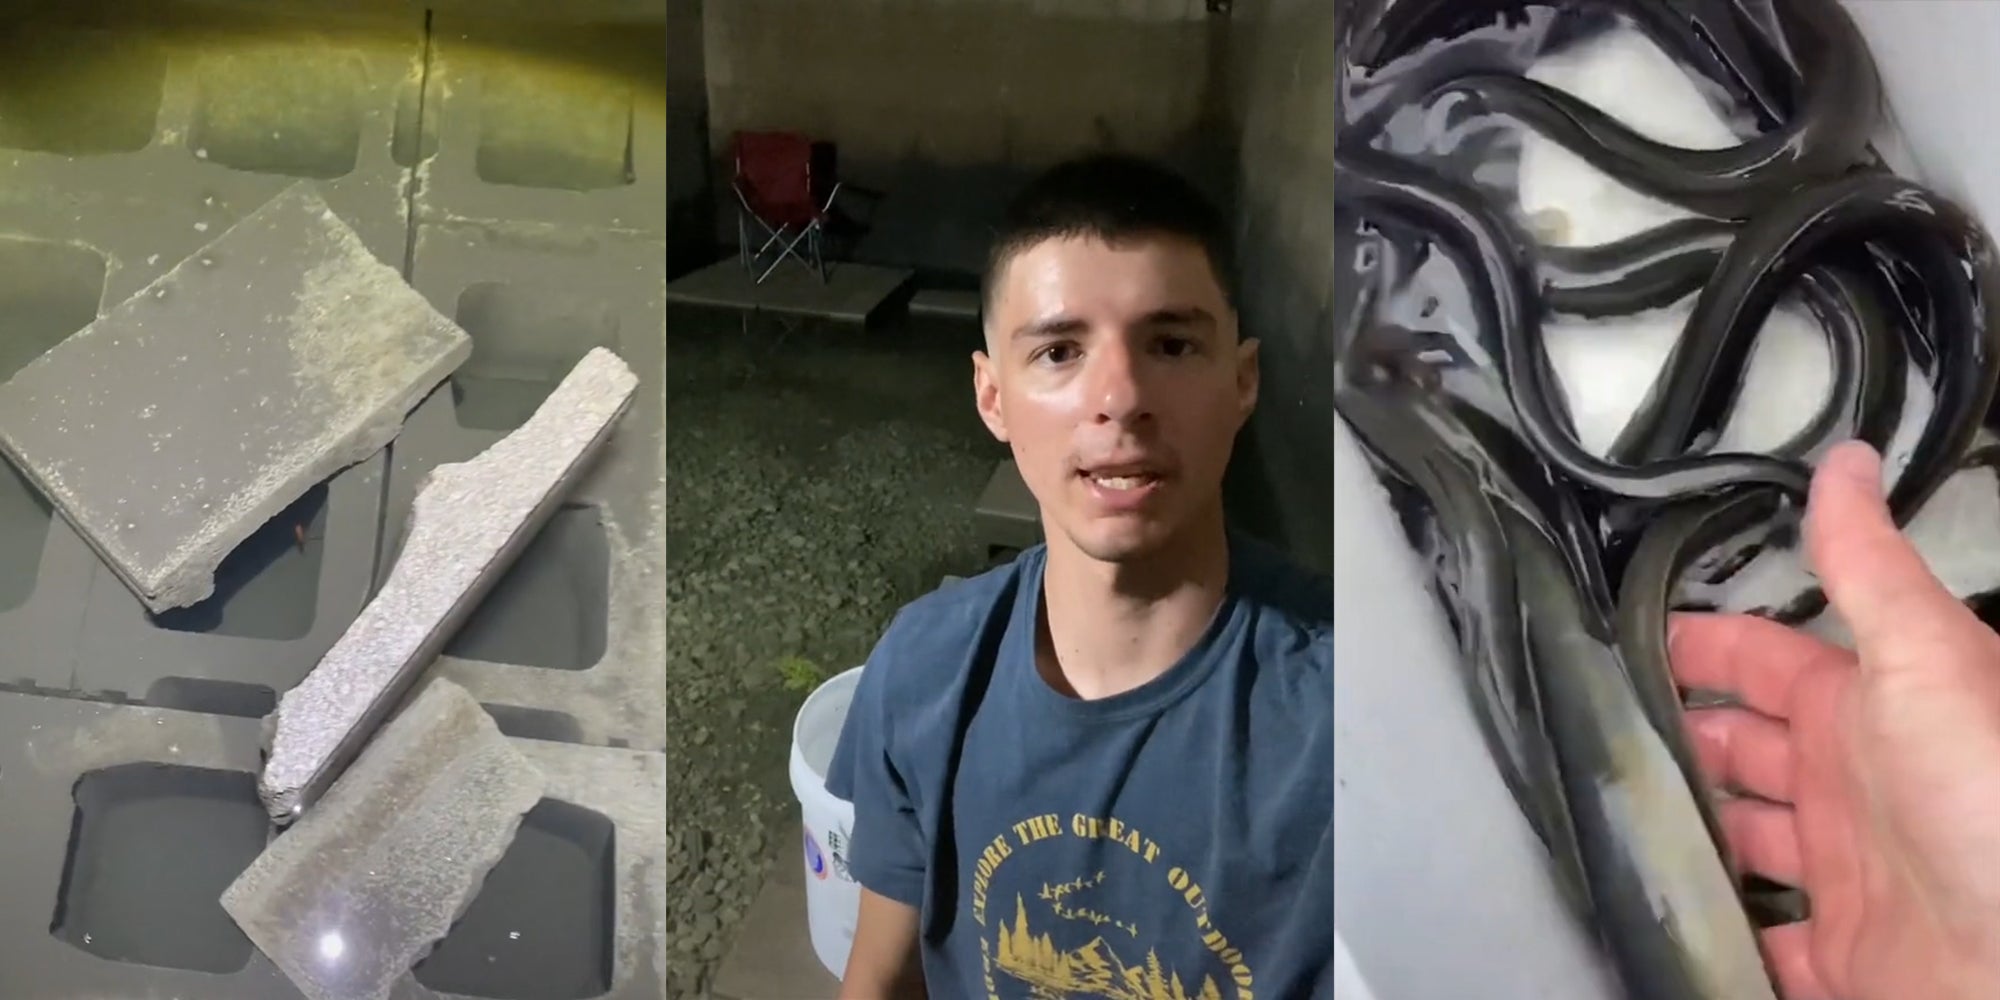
(946, 105)
(690, 196)
(1282, 89)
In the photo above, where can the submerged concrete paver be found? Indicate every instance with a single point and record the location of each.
(469, 520)
(354, 894)
(172, 428)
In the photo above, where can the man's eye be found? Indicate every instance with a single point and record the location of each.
(1058, 353)
(1176, 347)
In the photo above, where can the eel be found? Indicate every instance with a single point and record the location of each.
(1932, 234)
(1489, 250)
(1678, 537)
(1648, 270)
(1829, 133)
(1476, 588)
(1661, 897)
(1662, 266)
(1714, 38)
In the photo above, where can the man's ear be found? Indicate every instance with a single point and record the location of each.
(1249, 377)
(986, 395)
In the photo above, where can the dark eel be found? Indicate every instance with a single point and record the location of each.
(1680, 535)
(1476, 588)
(1661, 266)
(1662, 900)
(1708, 36)
(1865, 400)
(1489, 252)
(1828, 135)
(1933, 235)
(1644, 271)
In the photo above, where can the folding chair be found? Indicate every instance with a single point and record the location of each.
(784, 189)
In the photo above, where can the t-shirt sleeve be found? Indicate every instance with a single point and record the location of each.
(885, 850)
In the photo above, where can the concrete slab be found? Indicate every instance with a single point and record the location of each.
(124, 825)
(571, 643)
(279, 604)
(945, 303)
(1006, 513)
(258, 335)
(851, 294)
(357, 891)
(546, 123)
(51, 287)
(468, 523)
(773, 957)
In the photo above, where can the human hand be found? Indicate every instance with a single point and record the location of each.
(1878, 769)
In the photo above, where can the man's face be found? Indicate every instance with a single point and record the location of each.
(1116, 376)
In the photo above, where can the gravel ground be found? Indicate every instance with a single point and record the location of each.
(818, 480)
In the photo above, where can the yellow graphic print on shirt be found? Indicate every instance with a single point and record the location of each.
(1071, 940)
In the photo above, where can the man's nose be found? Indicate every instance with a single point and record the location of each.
(1117, 384)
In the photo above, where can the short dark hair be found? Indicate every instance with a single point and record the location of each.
(1111, 197)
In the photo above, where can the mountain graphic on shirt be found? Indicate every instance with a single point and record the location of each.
(1094, 970)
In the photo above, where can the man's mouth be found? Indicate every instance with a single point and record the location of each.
(1121, 478)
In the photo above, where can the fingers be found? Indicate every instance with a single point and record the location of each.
(1763, 839)
(1788, 952)
(1760, 661)
(1740, 749)
(1872, 575)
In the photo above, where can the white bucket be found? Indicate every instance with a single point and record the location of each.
(833, 898)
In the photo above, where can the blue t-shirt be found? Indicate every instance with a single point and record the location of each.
(1173, 841)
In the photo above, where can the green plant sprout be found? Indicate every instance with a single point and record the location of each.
(800, 674)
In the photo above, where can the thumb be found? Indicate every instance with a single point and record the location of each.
(1872, 575)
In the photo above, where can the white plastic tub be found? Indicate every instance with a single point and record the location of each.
(833, 898)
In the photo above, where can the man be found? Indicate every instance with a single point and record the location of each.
(1104, 770)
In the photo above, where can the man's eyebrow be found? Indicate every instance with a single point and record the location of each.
(1189, 316)
(1044, 329)
(1069, 326)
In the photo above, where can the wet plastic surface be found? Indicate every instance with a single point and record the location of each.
(1445, 289)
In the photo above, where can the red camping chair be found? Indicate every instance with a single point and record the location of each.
(784, 189)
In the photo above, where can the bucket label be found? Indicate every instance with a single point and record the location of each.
(815, 862)
(836, 849)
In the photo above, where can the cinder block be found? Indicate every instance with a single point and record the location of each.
(95, 159)
(285, 601)
(283, 597)
(576, 631)
(48, 290)
(125, 824)
(183, 138)
(573, 134)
